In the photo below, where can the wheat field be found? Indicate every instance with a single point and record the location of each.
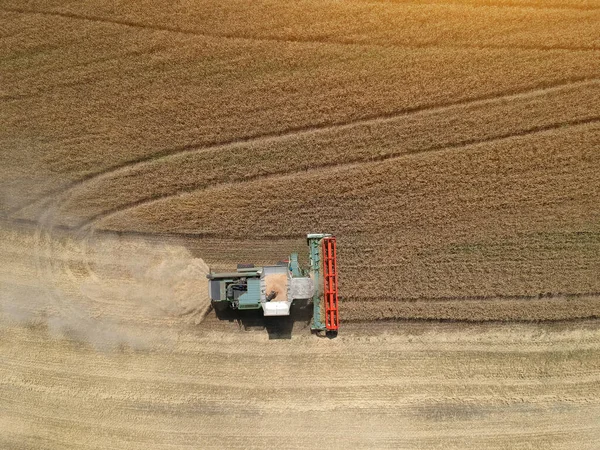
(452, 146)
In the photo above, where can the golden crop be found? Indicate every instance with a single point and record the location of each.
(451, 147)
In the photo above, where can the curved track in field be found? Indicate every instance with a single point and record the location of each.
(347, 164)
(294, 133)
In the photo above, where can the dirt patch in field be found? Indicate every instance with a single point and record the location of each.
(106, 290)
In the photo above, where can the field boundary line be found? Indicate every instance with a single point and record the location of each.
(324, 41)
(295, 132)
(347, 165)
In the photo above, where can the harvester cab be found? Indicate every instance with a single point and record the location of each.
(274, 288)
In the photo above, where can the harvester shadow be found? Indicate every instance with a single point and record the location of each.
(276, 327)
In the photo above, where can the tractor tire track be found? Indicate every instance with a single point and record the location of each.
(287, 40)
(296, 132)
(346, 165)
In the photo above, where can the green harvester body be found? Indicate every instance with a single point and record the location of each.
(248, 287)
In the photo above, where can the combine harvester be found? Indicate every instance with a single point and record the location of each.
(274, 288)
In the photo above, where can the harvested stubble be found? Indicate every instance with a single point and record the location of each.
(516, 386)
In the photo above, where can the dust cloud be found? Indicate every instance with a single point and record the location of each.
(106, 290)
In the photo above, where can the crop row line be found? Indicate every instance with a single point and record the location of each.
(334, 165)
